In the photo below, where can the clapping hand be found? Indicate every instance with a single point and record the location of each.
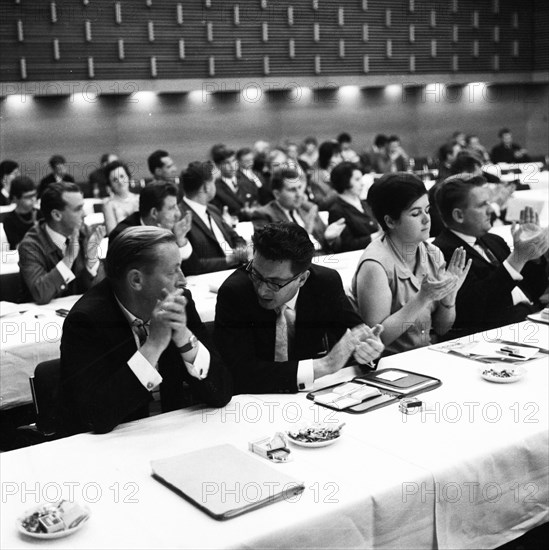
(73, 249)
(94, 242)
(458, 268)
(434, 289)
(182, 227)
(168, 320)
(334, 230)
(368, 344)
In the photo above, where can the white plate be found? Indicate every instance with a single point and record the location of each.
(324, 443)
(519, 373)
(56, 535)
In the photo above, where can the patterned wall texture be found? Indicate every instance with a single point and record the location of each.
(197, 39)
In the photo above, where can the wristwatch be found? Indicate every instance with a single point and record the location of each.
(191, 344)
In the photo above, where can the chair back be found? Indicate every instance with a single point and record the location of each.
(45, 388)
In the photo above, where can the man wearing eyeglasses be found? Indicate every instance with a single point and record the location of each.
(281, 322)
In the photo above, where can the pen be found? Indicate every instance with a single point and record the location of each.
(511, 353)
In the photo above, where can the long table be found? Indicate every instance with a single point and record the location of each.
(471, 473)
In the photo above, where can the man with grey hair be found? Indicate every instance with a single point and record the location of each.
(136, 331)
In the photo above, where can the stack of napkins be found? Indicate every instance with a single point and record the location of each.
(347, 395)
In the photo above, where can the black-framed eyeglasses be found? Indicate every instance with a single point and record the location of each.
(271, 285)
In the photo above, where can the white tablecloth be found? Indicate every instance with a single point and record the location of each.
(472, 475)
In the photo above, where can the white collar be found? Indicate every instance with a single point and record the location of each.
(291, 303)
(198, 207)
(130, 317)
(469, 239)
(58, 239)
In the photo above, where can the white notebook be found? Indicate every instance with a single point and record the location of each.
(225, 482)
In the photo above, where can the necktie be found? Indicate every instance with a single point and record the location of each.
(490, 256)
(285, 327)
(210, 220)
(292, 215)
(140, 330)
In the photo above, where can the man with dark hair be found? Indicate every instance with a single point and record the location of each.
(254, 180)
(162, 167)
(347, 153)
(59, 256)
(59, 173)
(290, 205)
(136, 331)
(19, 221)
(282, 323)
(502, 287)
(239, 197)
(392, 159)
(9, 169)
(98, 178)
(215, 244)
(507, 151)
(158, 207)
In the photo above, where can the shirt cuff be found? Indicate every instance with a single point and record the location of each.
(515, 275)
(66, 273)
(201, 366)
(145, 372)
(305, 375)
(186, 251)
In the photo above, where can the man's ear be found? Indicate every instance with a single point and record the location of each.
(457, 215)
(153, 214)
(134, 278)
(303, 278)
(56, 215)
(276, 193)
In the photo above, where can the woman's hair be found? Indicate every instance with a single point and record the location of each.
(341, 176)
(326, 151)
(394, 193)
(113, 166)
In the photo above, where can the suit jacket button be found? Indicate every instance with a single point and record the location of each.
(63, 287)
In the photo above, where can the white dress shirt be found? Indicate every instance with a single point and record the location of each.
(147, 374)
(60, 242)
(517, 294)
(201, 211)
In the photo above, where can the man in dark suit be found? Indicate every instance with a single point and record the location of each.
(215, 245)
(9, 170)
(239, 196)
(136, 331)
(158, 207)
(247, 174)
(502, 287)
(507, 151)
(281, 322)
(290, 204)
(59, 173)
(59, 256)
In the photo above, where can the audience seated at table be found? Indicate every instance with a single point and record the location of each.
(215, 244)
(401, 280)
(158, 207)
(122, 202)
(290, 204)
(329, 155)
(136, 331)
(19, 221)
(360, 223)
(502, 287)
(98, 179)
(507, 151)
(59, 256)
(162, 167)
(392, 158)
(9, 169)
(239, 197)
(282, 323)
(59, 173)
